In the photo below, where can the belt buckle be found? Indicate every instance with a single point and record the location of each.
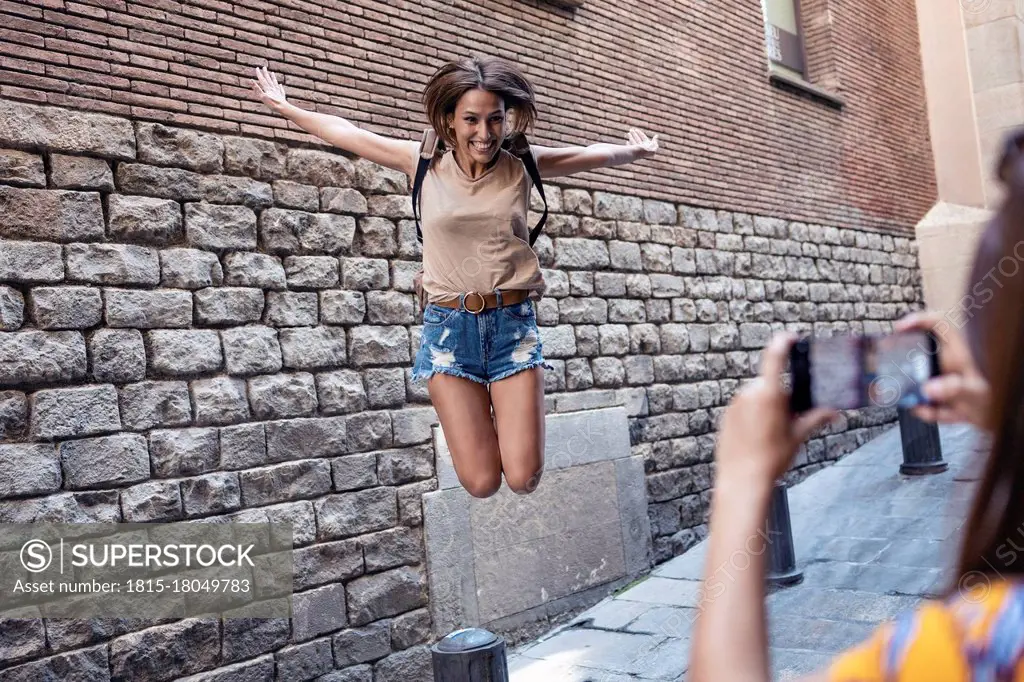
(483, 303)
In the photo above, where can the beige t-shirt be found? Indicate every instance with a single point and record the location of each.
(475, 234)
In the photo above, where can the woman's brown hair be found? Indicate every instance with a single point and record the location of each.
(993, 540)
(454, 79)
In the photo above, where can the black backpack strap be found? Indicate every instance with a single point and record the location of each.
(428, 147)
(520, 147)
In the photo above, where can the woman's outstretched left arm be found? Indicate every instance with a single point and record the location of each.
(553, 162)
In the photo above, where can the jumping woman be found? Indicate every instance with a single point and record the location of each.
(480, 347)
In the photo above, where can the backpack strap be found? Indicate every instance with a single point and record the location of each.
(520, 147)
(517, 145)
(428, 147)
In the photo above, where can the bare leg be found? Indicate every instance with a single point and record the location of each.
(519, 419)
(464, 410)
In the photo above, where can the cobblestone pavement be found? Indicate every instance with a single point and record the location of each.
(869, 541)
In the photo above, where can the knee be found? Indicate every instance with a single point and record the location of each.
(482, 486)
(523, 484)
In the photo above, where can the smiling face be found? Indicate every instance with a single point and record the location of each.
(479, 125)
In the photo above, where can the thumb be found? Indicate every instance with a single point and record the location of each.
(808, 423)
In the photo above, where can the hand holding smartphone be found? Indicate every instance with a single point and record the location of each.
(849, 372)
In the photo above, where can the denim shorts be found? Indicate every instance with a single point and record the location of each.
(483, 347)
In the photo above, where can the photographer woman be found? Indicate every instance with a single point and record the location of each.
(976, 630)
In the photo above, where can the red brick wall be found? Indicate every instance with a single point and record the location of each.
(691, 70)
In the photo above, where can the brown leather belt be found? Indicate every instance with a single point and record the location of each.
(477, 303)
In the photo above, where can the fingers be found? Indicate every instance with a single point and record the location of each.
(775, 357)
(933, 322)
(938, 414)
(637, 137)
(945, 388)
(925, 321)
(262, 77)
(811, 421)
(268, 81)
(957, 393)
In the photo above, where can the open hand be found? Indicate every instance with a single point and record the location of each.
(961, 393)
(648, 145)
(266, 87)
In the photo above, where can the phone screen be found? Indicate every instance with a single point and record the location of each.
(849, 372)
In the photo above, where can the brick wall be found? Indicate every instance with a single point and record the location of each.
(690, 70)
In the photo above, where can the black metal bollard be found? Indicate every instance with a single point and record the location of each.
(922, 448)
(470, 655)
(781, 568)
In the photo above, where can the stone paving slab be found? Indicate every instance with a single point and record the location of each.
(871, 543)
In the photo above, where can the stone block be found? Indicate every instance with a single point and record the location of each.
(349, 514)
(29, 469)
(112, 264)
(285, 232)
(214, 493)
(189, 269)
(147, 309)
(390, 593)
(50, 214)
(354, 472)
(258, 270)
(243, 446)
(341, 391)
(295, 439)
(167, 651)
(361, 645)
(65, 307)
(312, 348)
(311, 272)
(104, 461)
(342, 307)
(228, 305)
(166, 146)
(327, 562)
(181, 352)
(216, 228)
(220, 400)
(183, 452)
(256, 158)
(251, 350)
(144, 219)
(150, 404)
(12, 309)
(318, 612)
(377, 345)
(278, 396)
(153, 501)
(21, 169)
(291, 309)
(80, 172)
(69, 412)
(24, 261)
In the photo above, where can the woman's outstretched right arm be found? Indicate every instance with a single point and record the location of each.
(399, 155)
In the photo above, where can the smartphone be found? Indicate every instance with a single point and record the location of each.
(849, 372)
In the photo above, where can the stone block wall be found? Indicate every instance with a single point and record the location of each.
(204, 326)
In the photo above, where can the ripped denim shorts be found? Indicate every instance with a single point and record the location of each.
(483, 347)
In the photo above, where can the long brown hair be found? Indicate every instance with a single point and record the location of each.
(456, 78)
(993, 541)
